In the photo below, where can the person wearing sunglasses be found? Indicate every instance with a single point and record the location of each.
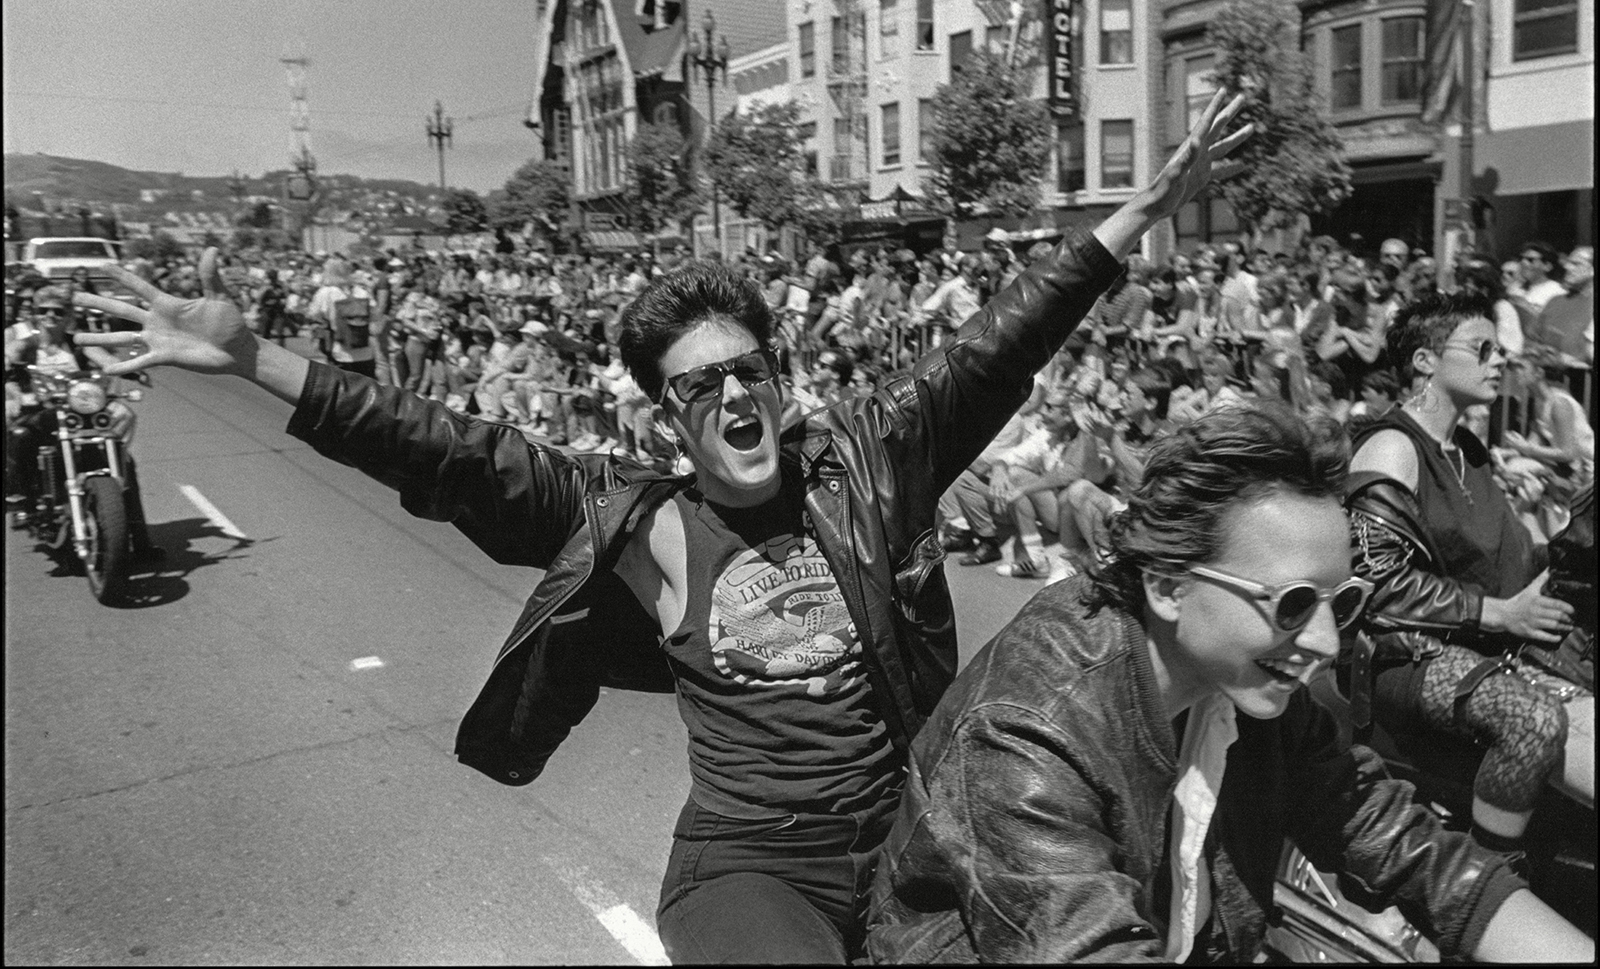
(1113, 777)
(1458, 580)
(789, 590)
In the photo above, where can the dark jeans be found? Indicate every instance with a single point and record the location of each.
(786, 890)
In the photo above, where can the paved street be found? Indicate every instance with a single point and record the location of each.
(223, 773)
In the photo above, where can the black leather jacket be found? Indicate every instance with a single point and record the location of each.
(1033, 826)
(873, 470)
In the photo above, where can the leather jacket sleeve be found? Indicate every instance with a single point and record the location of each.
(517, 501)
(1015, 832)
(958, 397)
(1350, 817)
(1391, 550)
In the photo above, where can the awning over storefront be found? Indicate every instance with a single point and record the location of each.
(614, 240)
(1547, 158)
(973, 234)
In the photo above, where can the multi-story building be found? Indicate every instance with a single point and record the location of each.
(1391, 76)
(865, 73)
(606, 66)
(1533, 150)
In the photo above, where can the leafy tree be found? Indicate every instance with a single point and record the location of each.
(990, 142)
(660, 188)
(755, 161)
(464, 211)
(538, 192)
(1294, 162)
(260, 216)
(211, 239)
(245, 237)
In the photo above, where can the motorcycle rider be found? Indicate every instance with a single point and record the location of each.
(44, 345)
(1113, 778)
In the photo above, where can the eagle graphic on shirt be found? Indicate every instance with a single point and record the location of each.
(779, 620)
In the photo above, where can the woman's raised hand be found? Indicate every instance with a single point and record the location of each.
(206, 335)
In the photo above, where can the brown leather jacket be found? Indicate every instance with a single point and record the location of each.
(1033, 826)
(873, 470)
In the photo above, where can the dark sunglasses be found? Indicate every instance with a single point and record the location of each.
(705, 383)
(1484, 350)
(1292, 604)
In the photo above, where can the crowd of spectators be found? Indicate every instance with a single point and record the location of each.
(529, 339)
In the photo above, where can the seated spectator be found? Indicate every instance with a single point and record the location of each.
(1565, 315)
(1541, 277)
(1560, 435)
(1380, 392)
(1030, 480)
(966, 517)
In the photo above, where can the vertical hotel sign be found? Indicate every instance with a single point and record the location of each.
(1063, 94)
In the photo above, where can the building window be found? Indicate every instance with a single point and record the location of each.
(1116, 32)
(960, 51)
(806, 134)
(1346, 67)
(1198, 88)
(888, 28)
(924, 24)
(925, 123)
(841, 46)
(994, 40)
(1402, 60)
(808, 49)
(891, 135)
(1116, 154)
(1543, 28)
(1069, 157)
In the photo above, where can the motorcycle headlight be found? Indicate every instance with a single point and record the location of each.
(86, 397)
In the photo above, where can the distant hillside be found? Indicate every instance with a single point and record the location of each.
(100, 183)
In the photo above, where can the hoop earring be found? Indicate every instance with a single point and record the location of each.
(1426, 401)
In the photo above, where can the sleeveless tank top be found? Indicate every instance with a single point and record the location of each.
(772, 684)
(1468, 517)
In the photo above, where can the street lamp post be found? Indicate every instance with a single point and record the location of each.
(709, 59)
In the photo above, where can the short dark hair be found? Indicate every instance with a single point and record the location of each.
(1382, 381)
(681, 300)
(1427, 322)
(1194, 477)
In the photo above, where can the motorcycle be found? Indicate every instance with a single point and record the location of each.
(1320, 924)
(88, 489)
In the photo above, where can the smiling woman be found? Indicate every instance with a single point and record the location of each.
(1090, 766)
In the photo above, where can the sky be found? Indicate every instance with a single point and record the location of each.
(196, 86)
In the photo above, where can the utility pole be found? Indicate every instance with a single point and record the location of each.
(439, 129)
(1467, 108)
(300, 187)
(710, 59)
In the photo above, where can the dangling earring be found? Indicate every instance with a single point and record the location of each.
(1425, 400)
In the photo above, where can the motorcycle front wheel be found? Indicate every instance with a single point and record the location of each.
(106, 519)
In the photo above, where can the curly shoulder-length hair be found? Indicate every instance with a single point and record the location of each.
(1192, 479)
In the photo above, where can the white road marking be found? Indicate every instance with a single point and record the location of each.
(634, 933)
(210, 511)
(366, 663)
